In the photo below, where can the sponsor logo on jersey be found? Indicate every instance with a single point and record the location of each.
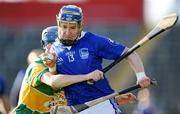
(59, 61)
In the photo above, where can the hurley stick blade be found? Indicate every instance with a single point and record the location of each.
(168, 21)
(63, 110)
(165, 23)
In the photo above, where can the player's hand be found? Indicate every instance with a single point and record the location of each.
(49, 59)
(126, 99)
(144, 82)
(95, 75)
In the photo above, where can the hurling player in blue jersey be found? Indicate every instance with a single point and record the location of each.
(80, 52)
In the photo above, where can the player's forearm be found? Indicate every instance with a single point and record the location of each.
(137, 65)
(65, 80)
(53, 70)
(135, 62)
(60, 80)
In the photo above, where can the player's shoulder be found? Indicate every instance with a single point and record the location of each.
(38, 60)
(38, 63)
(91, 34)
(94, 37)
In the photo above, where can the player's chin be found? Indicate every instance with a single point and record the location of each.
(69, 39)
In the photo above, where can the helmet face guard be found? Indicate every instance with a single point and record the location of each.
(48, 36)
(69, 14)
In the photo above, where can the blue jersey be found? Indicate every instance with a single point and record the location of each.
(2, 86)
(85, 56)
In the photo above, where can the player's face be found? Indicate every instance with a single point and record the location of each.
(68, 31)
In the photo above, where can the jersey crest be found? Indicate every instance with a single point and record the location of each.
(84, 53)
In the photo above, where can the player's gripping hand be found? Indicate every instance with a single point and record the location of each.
(95, 75)
(49, 59)
(127, 98)
(143, 80)
(144, 83)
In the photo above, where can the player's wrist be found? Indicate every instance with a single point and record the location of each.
(52, 69)
(87, 77)
(140, 76)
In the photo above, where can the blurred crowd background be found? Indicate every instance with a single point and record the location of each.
(126, 21)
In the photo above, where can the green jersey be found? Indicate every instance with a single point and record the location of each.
(35, 96)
